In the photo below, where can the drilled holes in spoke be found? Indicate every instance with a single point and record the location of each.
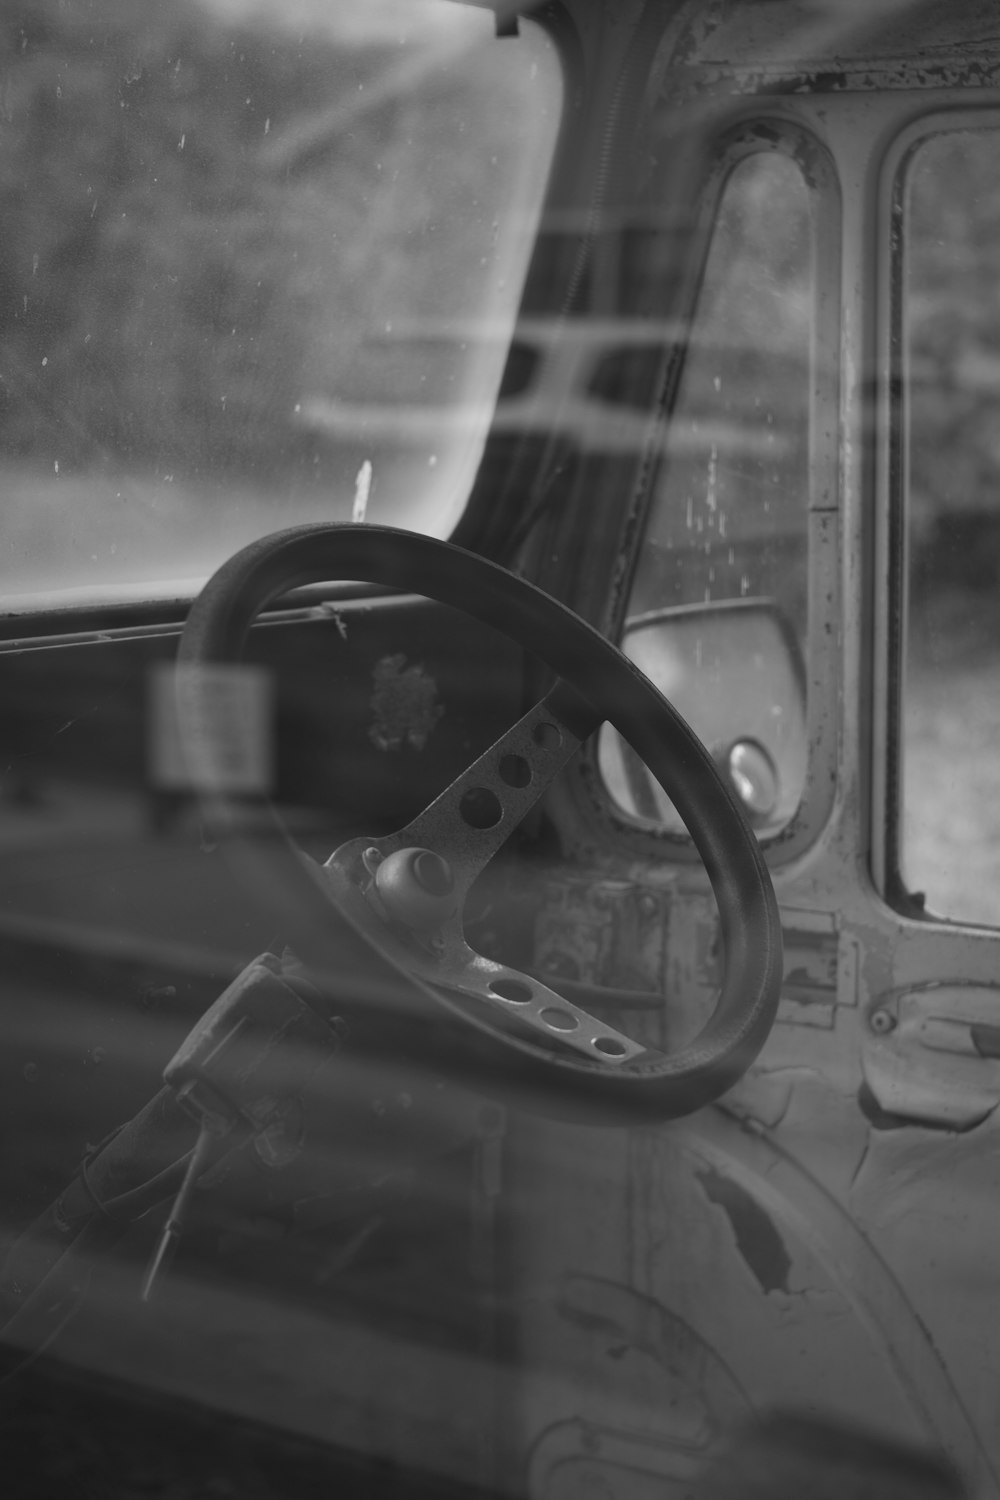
(515, 771)
(480, 808)
(558, 1020)
(581, 1031)
(610, 1046)
(546, 735)
(513, 990)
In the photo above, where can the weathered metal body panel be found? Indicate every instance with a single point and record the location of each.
(822, 1242)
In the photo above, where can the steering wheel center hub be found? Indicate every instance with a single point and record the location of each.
(415, 886)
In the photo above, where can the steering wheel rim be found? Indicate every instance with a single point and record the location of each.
(347, 965)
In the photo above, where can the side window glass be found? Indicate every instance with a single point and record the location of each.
(949, 844)
(717, 612)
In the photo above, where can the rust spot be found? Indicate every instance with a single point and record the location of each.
(404, 705)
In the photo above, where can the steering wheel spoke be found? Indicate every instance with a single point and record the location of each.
(443, 958)
(467, 823)
(527, 1002)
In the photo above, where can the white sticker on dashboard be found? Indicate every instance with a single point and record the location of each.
(210, 728)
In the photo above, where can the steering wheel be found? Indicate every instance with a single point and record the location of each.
(380, 924)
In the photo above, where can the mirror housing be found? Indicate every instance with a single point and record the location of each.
(734, 671)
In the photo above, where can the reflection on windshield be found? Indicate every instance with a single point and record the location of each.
(218, 216)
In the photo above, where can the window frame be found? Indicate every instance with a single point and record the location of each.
(892, 535)
(746, 132)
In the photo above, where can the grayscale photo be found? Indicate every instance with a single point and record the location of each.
(500, 749)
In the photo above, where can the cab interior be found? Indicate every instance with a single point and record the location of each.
(399, 409)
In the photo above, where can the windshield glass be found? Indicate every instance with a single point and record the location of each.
(229, 229)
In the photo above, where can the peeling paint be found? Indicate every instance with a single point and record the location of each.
(763, 1095)
(404, 704)
(757, 1239)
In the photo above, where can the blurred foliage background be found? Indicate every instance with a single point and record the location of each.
(217, 214)
(144, 267)
(196, 224)
(951, 308)
(952, 320)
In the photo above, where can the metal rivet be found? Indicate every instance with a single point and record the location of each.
(371, 859)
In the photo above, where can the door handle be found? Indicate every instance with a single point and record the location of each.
(932, 1053)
